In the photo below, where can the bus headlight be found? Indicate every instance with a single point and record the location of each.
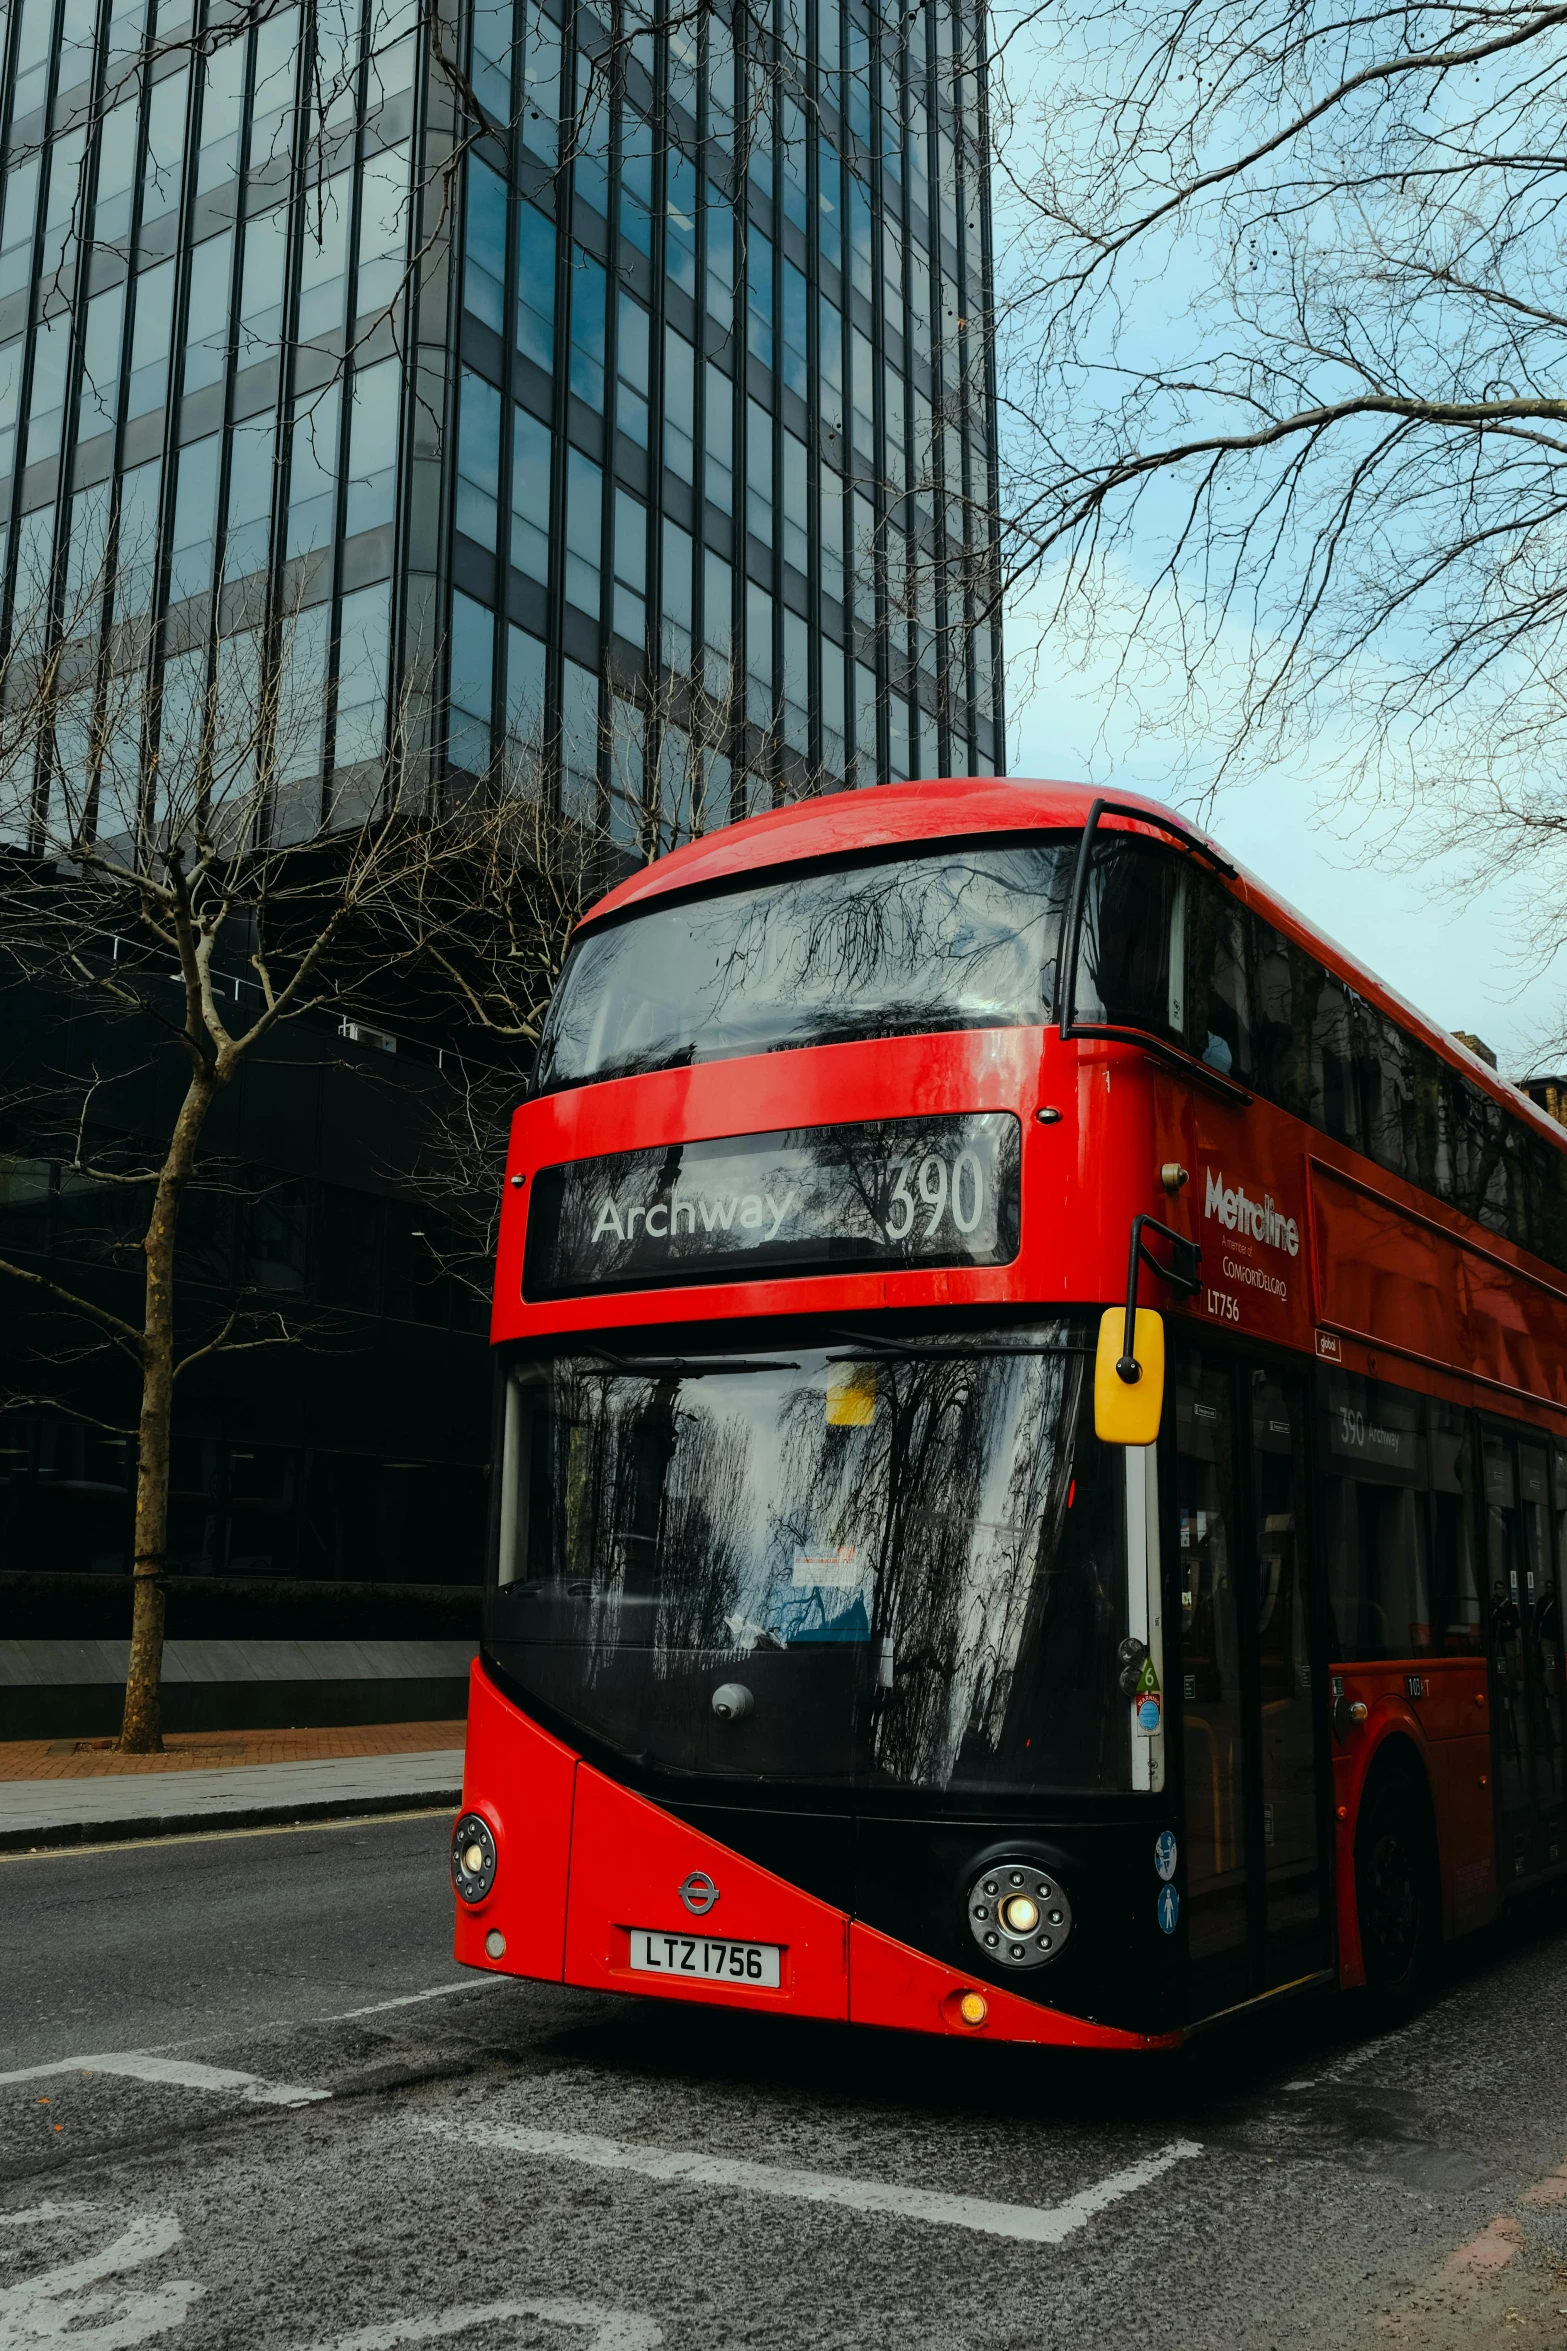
(1018, 1914)
(473, 1858)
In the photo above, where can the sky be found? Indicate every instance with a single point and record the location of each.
(1457, 962)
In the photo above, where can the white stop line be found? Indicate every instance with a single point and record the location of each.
(1029, 2224)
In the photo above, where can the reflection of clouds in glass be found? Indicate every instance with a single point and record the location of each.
(961, 938)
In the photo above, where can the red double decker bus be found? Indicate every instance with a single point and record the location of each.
(885, 1623)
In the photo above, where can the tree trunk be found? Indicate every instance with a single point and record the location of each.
(141, 1728)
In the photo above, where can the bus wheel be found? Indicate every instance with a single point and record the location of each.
(1396, 1888)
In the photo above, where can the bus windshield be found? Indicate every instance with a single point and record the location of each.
(911, 1560)
(953, 938)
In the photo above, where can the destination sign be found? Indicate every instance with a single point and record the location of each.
(896, 1191)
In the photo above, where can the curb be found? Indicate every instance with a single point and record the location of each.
(132, 1828)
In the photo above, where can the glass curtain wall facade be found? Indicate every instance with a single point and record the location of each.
(723, 510)
(204, 270)
(625, 388)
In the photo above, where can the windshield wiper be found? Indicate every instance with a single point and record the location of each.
(874, 1344)
(684, 1367)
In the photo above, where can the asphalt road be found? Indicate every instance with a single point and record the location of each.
(306, 2129)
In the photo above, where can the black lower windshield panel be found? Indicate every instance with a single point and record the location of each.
(896, 1191)
(910, 1564)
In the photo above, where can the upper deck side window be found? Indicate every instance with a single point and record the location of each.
(1166, 948)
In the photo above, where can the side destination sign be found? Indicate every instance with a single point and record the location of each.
(893, 1191)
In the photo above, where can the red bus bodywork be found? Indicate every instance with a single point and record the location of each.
(1389, 1282)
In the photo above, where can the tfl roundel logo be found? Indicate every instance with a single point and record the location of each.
(698, 1893)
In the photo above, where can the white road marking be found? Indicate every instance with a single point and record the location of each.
(67, 2304)
(1029, 2224)
(138, 2066)
(477, 1982)
(614, 2330)
(1354, 2058)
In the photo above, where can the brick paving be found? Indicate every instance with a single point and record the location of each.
(92, 1759)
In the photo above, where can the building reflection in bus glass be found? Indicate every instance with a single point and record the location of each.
(1396, 1525)
(1211, 1710)
(1288, 1745)
(914, 1561)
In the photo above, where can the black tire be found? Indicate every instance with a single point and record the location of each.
(1397, 1893)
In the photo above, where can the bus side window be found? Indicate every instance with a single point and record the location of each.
(1489, 1154)
(1124, 961)
(1374, 1519)
(1218, 989)
(1387, 1110)
(1334, 1091)
(1273, 962)
(1455, 1582)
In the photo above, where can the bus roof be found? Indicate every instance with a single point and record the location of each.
(958, 807)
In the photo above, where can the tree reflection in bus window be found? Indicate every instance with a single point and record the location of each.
(1212, 1744)
(1455, 1583)
(944, 1535)
(1374, 1522)
(1541, 1623)
(949, 939)
(1507, 1630)
(1288, 1750)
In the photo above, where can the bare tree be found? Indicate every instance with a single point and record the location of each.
(1282, 336)
(168, 853)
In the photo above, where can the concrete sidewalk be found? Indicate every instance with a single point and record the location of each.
(37, 1813)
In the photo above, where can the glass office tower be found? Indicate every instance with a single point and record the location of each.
(594, 392)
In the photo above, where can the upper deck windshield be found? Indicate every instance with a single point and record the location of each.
(959, 937)
(913, 1560)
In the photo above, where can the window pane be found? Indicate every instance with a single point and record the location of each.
(478, 459)
(525, 699)
(206, 348)
(587, 328)
(759, 297)
(150, 335)
(584, 521)
(631, 368)
(473, 664)
(630, 568)
(759, 473)
(312, 486)
(579, 742)
(484, 270)
(536, 286)
(718, 430)
(362, 674)
(795, 303)
(195, 519)
(372, 469)
(676, 636)
(680, 222)
(530, 496)
(679, 404)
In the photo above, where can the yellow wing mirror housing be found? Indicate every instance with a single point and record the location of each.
(1129, 1390)
(1129, 1361)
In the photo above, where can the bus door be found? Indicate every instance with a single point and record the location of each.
(1251, 1732)
(1525, 1644)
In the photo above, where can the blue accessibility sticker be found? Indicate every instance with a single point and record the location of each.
(1164, 1854)
(1169, 1908)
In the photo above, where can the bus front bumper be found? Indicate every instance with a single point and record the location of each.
(582, 1864)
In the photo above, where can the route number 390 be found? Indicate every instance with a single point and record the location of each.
(922, 1189)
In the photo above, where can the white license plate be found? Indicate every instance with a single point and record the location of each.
(704, 1958)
